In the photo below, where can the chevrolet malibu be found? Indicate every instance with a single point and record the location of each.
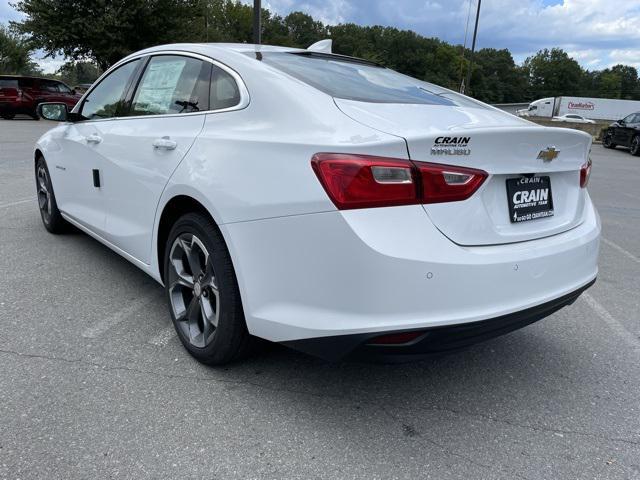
(320, 201)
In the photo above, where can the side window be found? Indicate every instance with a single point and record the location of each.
(26, 82)
(49, 86)
(8, 83)
(63, 88)
(172, 84)
(224, 90)
(629, 118)
(106, 100)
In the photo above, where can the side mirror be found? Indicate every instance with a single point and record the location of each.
(56, 112)
(621, 122)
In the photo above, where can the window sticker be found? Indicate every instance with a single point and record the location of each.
(158, 87)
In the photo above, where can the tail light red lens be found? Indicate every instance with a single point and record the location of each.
(362, 181)
(401, 338)
(585, 173)
(444, 183)
(356, 181)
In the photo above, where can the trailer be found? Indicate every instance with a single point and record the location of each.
(593, 108)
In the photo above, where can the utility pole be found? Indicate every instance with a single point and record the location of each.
(257, 21)
(473, 49)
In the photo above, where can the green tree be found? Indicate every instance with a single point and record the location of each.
(553, 73)
(74, 73)
(15, 54)
(102, 30)
(496, 78)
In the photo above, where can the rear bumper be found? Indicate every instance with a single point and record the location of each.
(433, 341)
(361, 272)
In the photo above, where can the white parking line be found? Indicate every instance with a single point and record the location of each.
(19, 202)
(614, 324)
(621, 250)
(163, 336)
(113, 320)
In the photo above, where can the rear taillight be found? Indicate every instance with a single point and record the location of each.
(362, 181)
(585, 173)
(444, 183)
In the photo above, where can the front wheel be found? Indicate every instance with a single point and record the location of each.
(51, 217)
(607, 141)
(635, 146)
(202, 292)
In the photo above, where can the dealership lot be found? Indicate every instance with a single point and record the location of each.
(94, 383)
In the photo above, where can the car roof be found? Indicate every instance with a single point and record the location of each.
(28, 77)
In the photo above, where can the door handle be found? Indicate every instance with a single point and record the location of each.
(93, 139)
(164, 143)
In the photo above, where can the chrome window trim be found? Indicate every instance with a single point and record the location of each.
(245, 98)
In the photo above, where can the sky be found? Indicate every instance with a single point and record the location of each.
(597, 33)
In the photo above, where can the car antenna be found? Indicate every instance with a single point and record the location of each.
(323, 46)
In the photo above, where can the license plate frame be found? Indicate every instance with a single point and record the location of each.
(529, 198)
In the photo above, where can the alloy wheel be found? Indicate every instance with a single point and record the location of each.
(193, 290)
(44, 196)
(635, 145)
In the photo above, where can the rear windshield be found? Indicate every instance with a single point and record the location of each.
(358, 80)
(8, 83)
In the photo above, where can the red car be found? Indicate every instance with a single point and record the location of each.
(23, 94)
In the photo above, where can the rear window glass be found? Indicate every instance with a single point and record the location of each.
(8, 83)
(356, 80)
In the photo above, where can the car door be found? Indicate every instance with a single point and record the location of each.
(622, 132)
(75, 167)
(142, 151)
(632, 128)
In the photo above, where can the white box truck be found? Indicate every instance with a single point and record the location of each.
(593, 108)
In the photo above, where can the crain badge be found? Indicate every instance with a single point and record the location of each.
(451, 146)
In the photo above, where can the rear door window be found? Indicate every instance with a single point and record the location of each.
(172, 84)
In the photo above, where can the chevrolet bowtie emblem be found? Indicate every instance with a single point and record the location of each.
(548, 154)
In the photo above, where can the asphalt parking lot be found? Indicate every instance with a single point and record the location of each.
(94, 384)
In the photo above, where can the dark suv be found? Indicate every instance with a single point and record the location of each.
(23, 94)
(625, 132)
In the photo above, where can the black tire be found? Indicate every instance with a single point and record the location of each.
(51, 217)
(634, 149)
(8, 116)
(228, 340)
(607, 141)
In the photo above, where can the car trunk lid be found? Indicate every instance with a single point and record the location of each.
(504, 146)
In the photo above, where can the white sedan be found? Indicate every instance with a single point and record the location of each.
(571, 117)
(320, 201)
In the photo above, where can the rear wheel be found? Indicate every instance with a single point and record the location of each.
(8, 116)
(202, 292)
(635, 146)
(607, 141)
(51, 217)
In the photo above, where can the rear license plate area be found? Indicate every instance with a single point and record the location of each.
(529, 198)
